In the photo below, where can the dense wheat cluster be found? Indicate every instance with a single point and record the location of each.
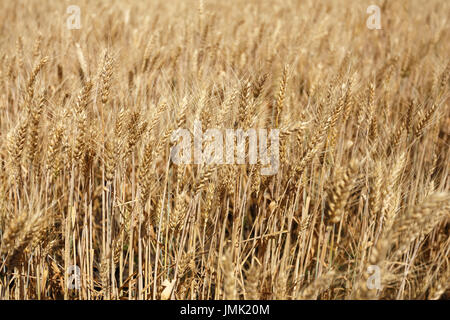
(87, 186)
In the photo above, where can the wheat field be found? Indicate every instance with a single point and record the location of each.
(92, 207)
